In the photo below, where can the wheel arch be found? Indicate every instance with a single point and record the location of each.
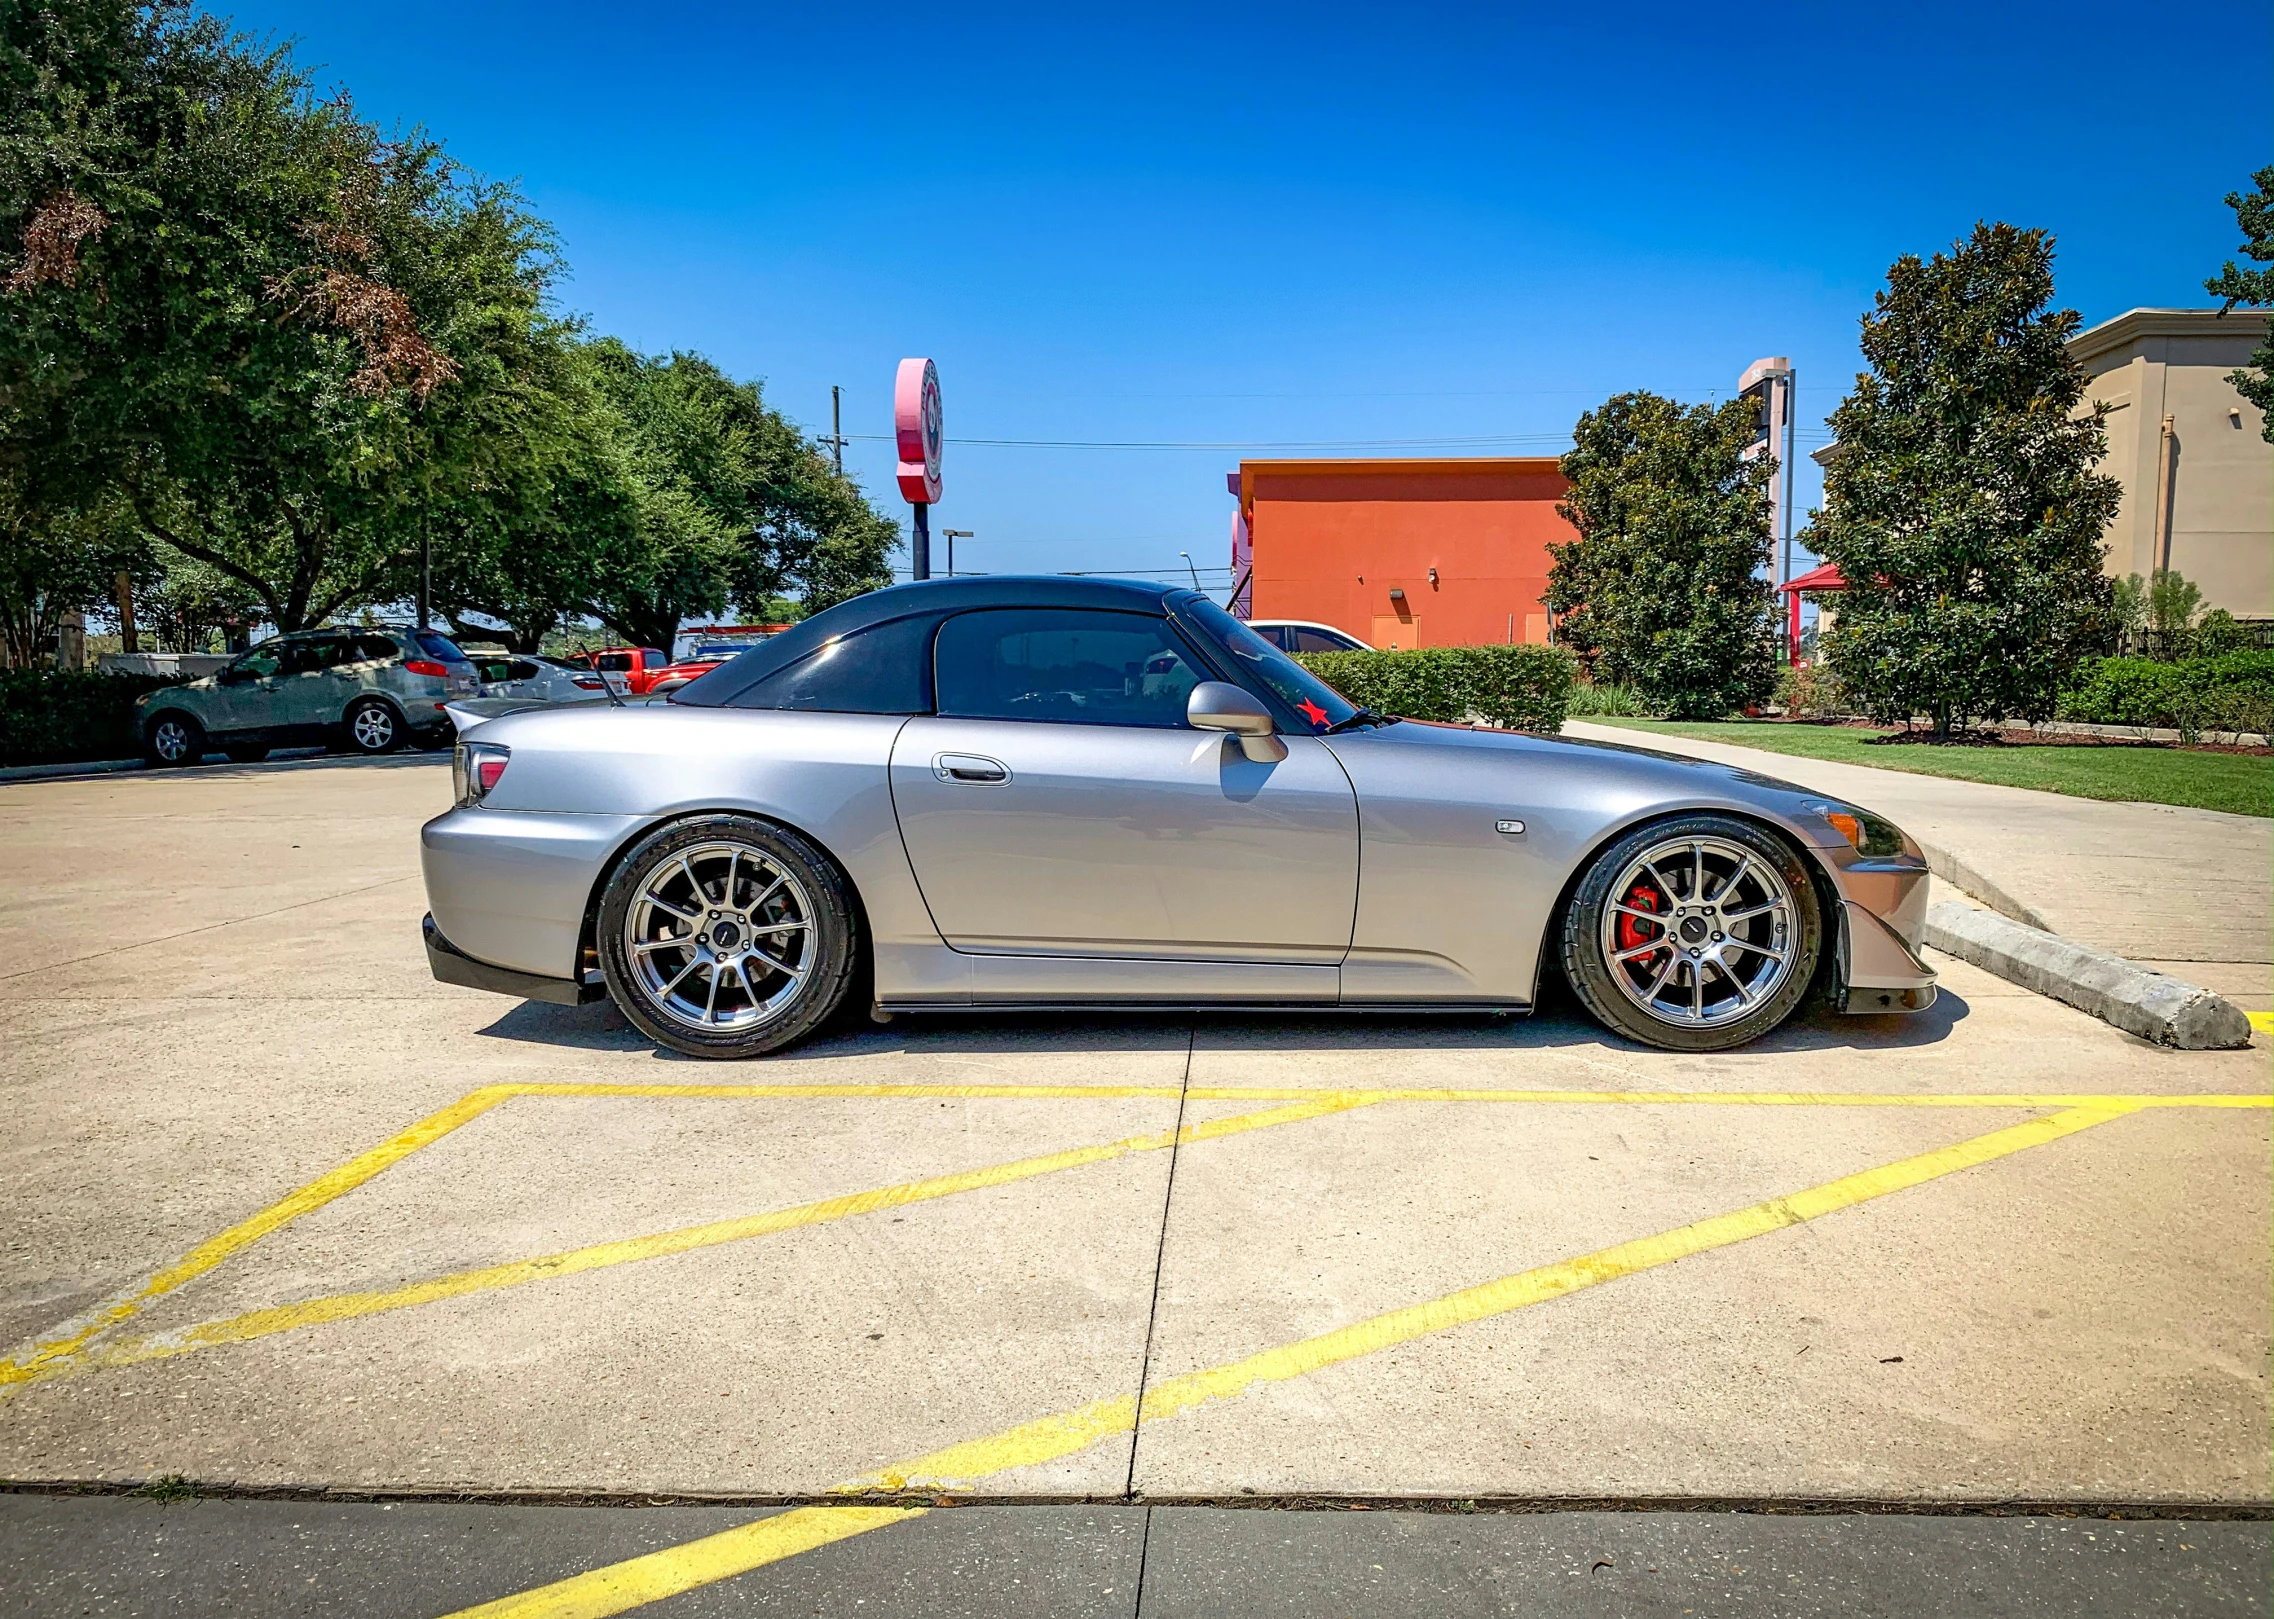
(1820, 879)
(588, 931)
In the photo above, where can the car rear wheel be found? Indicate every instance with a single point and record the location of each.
(374, 727)
(174, 739)
(1694, 935)
(727, 936)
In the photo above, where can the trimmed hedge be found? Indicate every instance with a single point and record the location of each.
(1526, 688)
(58, 716)
(2231, 692)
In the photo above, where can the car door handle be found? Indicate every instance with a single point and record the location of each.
(970, 769)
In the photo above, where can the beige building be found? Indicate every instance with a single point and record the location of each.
(2197, 471)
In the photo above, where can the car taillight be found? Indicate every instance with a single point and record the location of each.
(419, 666)
(589, 683)
(475, 768)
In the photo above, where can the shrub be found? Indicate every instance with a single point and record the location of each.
(53, 716)
(1610, 699)
(1812, 692)
(1524, 688)
(2231, 692)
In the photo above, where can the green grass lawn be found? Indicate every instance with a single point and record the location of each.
(2233, 782)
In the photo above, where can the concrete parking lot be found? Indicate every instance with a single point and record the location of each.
(278, 1213)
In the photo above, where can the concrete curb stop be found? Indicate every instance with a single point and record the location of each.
(2168, 1011)
(1967, 880)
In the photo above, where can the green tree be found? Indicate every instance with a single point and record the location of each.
(266, 322)
(732, 502)
(2254, 212)
(1659, 590)
(1964, 511)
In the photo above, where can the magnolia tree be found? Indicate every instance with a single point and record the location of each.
(1963, 508)
(2254, 212)
(1659, 590)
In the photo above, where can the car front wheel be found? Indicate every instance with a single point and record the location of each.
(174, 739)
(374, 727)
(1697, 934)
(727, 936)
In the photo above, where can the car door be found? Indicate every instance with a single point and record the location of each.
(1056, 804)
(309, 691)
(244, 691)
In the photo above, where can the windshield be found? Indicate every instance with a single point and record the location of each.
(1319, 704)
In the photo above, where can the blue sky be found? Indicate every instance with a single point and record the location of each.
(1430, 229)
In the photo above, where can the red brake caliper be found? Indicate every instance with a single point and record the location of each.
(1641, 897)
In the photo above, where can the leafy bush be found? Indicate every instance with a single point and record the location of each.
(2231, 692)
(51, 716)
(1526, 688)
(1812, 692)
(1608, 698)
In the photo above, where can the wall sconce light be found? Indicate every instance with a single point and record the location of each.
(1432, 578)
(1397, 595)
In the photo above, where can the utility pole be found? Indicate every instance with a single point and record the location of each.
(951, 535)
(425, 579)
(836, 438)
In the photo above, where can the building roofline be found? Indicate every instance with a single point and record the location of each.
(1362, 465)
(2135, 324)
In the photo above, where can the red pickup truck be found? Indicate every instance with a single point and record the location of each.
(630, 671)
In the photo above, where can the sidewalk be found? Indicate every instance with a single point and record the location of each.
(2183, 891)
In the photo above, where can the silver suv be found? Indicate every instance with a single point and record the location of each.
(372, 689)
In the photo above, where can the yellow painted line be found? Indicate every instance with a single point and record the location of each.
(1284, 1093)
(2263, 1022)
(642, 1580)
(489, 1278)
(601, 1592)
(1063, 1434)
(75, 1333)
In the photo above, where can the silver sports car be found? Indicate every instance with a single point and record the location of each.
(995, 793)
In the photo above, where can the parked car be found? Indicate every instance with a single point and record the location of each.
(629, 670)
(1005, 792)
(706, 655)
(547, 680)
(370, 689)
(1301, 635)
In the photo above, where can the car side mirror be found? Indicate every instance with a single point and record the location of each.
(1217, 705)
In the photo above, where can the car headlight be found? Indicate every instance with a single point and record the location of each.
(1869, 834)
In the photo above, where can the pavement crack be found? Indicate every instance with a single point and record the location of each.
(207, 927)
(1160, 1260)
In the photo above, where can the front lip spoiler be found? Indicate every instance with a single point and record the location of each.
(451, 965)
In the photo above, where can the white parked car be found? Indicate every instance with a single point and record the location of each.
(1302, 635)
(540, 679)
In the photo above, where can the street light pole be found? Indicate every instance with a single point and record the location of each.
(951, 535)
(1191, 567)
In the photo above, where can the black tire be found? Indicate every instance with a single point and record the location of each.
(1586, 955)
(826, 947)
(373, 726)
(173, 740)
(245, 753)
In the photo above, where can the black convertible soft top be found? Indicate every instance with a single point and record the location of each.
(729, 680)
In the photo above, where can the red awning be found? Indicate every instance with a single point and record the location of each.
(1826, 577)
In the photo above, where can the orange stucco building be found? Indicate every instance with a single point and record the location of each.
(1404, 553)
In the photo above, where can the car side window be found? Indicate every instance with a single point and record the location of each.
(1065, 664)
(305, 657)
(521, 669)
(613, 662)
(372, 649)
(1315, 641)
(879, 670)
(258, 664)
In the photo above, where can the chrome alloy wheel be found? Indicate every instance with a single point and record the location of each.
(719, 937)
(170, 740)
(373, 728)
(1698, 931)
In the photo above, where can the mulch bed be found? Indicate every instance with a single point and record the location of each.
(2015, 739)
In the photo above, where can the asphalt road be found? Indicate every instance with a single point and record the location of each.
(279, 1213)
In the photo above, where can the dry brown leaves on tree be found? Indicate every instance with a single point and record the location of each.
(51, 241)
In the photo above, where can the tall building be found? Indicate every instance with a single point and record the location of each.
(2197, 471)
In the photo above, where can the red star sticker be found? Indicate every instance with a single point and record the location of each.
(1312, 712)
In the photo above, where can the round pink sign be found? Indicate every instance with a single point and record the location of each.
(916, 427)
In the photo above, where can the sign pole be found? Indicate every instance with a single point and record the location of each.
(921, 556)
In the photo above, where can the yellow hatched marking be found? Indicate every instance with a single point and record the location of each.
(717, 1557)
(77, 1332)
(488, 1278)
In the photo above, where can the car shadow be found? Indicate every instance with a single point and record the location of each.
(1558, 1024)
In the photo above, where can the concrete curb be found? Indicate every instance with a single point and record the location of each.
(1967, 880)
(92, 767)
(2165, 1010)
